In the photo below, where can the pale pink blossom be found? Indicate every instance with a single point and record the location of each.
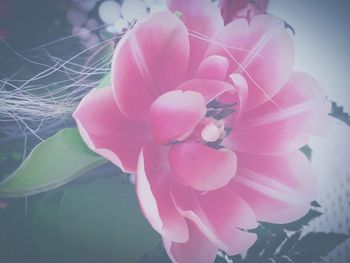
(233, 9)
(210, 118)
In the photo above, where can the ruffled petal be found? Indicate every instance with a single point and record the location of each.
(201, 167)
(242, 91)
(198, 249)
(209, 88)
(175, 114)
(279, 188)
(153, 191)
(297, 111)
(262, 51)
(146, 63)
(219, 215)
(108, 132)
(213, 67)
(203, 19)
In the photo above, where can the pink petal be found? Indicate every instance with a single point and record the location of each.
(201, 167)
(218, 214)
(146, 63)
(175, 114)
(261, 51)
(242, 90)
(213, 67)
(240, 97)
(297, 111)
(279, 188)
(108, 132)
(153, 191)
(202, 19)
(209, 88)
(198, 249)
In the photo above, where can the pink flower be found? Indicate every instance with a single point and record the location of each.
(211, 119)
(233, 9)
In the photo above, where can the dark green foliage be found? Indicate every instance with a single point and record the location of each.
(286, 244)
(93, 219)
(338, 113)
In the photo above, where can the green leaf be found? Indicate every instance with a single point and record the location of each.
(290, 243)
(16, 241)
(299, 224)
(156, 254)
(339, 113)
(274, 244)
(103, 222)
(315, 245)
(283, 243)
(51, 164)
(45, 229)
(307, 151)
(266, 234)
(106, 81)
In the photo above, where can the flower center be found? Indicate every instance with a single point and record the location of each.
(213, 130)
(210, 133)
